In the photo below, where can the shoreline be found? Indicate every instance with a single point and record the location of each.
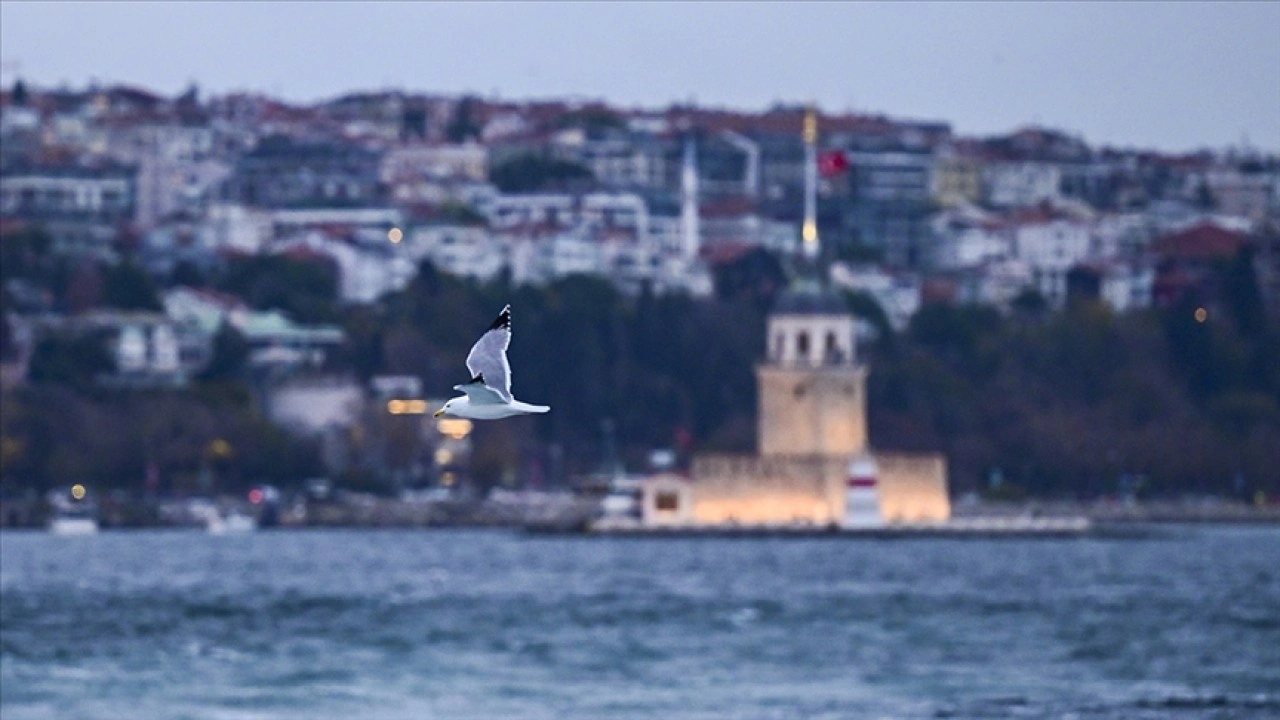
(571, 513)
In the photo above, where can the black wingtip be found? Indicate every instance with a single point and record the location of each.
(479, 378)
(503, 320)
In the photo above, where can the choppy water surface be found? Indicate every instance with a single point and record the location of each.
(471, 624)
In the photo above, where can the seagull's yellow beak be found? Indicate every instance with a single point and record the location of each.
(438, 413)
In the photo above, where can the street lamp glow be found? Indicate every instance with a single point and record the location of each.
(395, 235)
(220, 448)
(77, 491)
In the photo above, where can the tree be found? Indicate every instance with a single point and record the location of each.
(1030, 303)
(965, 336)
(129, 287)
(307, 289)
(79, 286)
(865, 307)
(229, 353)
(7, 345)
(188, 274)
(461, 214)
(463, 126)
(529, 172)
(593, 120)
(756, 277)
(25, 253)
(1204, 196)
(73, 361)
(1243, 296)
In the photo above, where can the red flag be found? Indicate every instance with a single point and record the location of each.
(832, 163)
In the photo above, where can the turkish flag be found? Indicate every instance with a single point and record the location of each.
(832, 163)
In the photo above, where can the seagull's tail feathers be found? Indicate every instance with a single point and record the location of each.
(537, 408)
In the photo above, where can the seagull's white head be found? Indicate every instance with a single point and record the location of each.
(452, 405)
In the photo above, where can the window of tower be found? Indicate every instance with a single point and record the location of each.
(667, 502)
(802, 344)
(833, 354)
(779, 341)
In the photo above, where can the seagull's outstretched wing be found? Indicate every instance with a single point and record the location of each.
(479, 393)
(488, 357)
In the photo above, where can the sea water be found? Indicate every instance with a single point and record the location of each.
(1183, 623)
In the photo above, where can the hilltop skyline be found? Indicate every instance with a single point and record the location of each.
(1174, 78)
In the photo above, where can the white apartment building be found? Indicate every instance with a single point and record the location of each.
(231, 226)
(1050, 247)
(365, 272)
(539, 260)
(464, 250)
(1019, 184)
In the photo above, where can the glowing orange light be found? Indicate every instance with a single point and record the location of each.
(1201, 314)
(456, 428)
(255, 496)
(395, 235)
(77, 491)
(406, 407)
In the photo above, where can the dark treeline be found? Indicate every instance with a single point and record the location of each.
(1064, 403)
(1069, 403)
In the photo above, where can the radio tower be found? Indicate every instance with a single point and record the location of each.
(809, 231)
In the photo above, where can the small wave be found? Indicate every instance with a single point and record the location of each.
(1254, 621)
(1210, 701)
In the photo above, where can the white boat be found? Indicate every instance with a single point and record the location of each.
(73, 512)
(73, 524)
(218, 522)
(231, 523)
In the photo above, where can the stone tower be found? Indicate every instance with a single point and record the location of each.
(811, 386)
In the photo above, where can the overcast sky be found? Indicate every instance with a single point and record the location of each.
(1172, 76)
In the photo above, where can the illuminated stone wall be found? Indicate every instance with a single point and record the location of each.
(807, 490)
(747, 490)
(913, 488)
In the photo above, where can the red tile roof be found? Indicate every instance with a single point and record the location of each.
(725, 253)
(1200, 242)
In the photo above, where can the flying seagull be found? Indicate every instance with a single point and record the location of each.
(488, 395)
